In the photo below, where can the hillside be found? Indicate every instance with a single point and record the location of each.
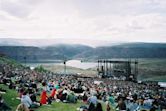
(20, 52)
(31, 53)
(152, 69)
(65, 51)
(128, 50)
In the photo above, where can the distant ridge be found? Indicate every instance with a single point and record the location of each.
(51, 42)
(77, 51)
(127, 50)
(37, 53)
(142, 45)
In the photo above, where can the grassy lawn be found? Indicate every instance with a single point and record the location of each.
(10, 99)
(60, 107)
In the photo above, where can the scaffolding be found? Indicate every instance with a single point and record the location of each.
(116, 68)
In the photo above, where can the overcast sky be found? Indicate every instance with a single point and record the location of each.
(106, 20)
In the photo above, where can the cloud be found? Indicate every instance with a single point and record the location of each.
(108, 20)
(18, 8)
(93, 8)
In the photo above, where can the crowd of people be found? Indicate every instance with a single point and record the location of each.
(93, 92)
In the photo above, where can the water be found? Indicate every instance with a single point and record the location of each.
(72, 63)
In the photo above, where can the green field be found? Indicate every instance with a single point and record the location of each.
(152, 69)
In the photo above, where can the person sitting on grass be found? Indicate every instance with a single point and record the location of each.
(53, 94)
(21, 91)
(25, 99)
(85, 98)
(93, 99)
(121, 104)
(111, 100)
(108, 108)
(33, 97)
(98, 107)
(43, 97)
(91, 107)
(71, 98)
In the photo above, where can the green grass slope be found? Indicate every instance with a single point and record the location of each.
(10, 97)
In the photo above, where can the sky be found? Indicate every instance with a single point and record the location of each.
(85, 20)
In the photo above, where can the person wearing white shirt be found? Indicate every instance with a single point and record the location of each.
(26, 100)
